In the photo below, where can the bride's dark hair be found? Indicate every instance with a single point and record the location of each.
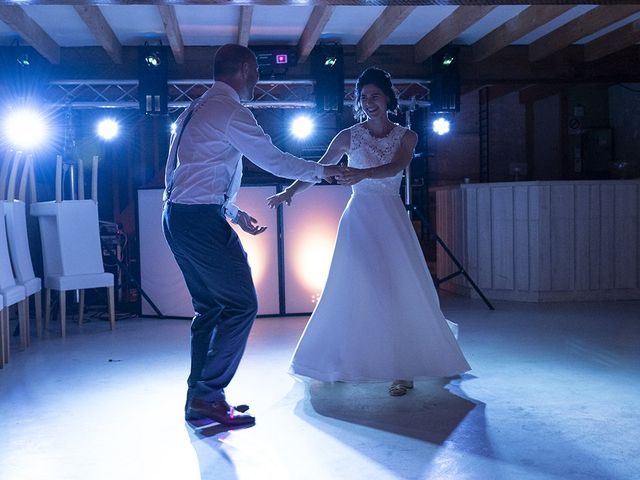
(382, 80)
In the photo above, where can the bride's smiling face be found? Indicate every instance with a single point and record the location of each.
(373, 101)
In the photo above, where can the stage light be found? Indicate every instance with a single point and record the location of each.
(441, 126)
(25, 129)
(447, 60)
(23, 60)
(329, 62)
(153, 59)
(173, 128)
(301, 127)
(108, 129)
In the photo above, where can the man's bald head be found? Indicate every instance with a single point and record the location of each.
(229, 59)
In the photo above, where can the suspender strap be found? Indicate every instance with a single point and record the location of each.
(173, 158)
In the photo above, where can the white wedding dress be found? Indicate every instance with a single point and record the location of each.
(378, 317)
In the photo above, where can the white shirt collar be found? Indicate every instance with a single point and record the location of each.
(225, 88)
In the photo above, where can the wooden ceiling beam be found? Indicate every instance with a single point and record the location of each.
(583, 26)
(313, 29)
(447, 30)
(172, 29)
(244, 26)
(385, 24)
(533, 93)
(18, 20)
(614, 41)
(100, 28)
(496, 90)
(516, 28)
(315, 2)
(502, 90)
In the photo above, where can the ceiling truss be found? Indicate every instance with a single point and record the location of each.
(268, 94)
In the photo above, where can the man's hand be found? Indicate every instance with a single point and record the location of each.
(352, 176)
(336, 172)
(249, 224)
(278, 199)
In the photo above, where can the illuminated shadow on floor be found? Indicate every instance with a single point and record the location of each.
(429, 412)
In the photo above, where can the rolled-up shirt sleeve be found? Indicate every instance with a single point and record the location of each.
(245, 135)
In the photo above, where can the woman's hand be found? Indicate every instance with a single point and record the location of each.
(283, 197)
(351, 176)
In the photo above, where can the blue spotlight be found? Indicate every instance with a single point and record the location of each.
(301, 127)
(441, 126)
(108, 129)
(25, 129)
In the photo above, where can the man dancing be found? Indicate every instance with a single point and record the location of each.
(203, 174)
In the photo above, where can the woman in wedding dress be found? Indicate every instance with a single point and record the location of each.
(378, 318)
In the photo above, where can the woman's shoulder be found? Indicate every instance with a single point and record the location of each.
(355, 127)
(343, 135)
(355, 134)
(406, 133)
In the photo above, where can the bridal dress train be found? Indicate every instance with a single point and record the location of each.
(379, 317)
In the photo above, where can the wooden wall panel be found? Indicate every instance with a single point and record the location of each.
(544, 241)
(521, 238)
(562, 237)
(544, 238)
(582, 237)
(594, 236)
(502, 234)
(485, 240)
(607, 237)
(534, 238)
(470, 197)
(626, 236)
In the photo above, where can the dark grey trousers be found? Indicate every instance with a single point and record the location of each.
(215, 268)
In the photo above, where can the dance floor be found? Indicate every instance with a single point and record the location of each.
(554, 394)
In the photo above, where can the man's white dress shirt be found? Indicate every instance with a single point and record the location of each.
(206, 166)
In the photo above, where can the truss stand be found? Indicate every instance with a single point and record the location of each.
(423, 218)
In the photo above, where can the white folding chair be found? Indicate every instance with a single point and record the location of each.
(71, 250)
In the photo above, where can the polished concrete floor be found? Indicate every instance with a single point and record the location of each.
(554, 394)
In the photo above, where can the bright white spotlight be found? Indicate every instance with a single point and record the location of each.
(301, 127)
(174, 128)
(25, 129)
(441, 126)
(108, 128)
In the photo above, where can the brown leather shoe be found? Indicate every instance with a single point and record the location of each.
(219, 411)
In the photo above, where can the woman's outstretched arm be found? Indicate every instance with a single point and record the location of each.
(338, 147)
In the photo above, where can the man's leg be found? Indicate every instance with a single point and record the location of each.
(237, 294)
(215, 268)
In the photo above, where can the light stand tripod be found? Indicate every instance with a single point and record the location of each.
(461, 270)
(408, 199)
(113, 240)
(129, 279)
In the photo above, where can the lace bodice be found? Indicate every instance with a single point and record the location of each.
(368, 151)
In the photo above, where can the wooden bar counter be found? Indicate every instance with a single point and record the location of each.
(543, 241)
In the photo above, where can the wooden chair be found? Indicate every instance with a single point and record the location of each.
(16, 223)
(71, 250)
(3, 334)
(12, 293)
